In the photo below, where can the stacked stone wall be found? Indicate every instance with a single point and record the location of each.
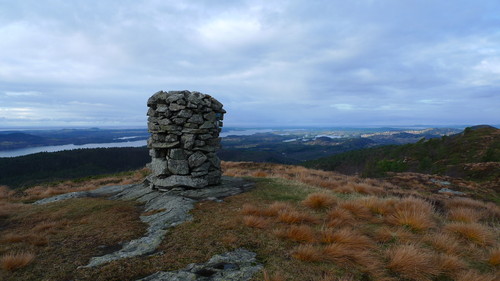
(184, 129)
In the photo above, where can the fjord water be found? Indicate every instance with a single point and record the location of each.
(32, 150)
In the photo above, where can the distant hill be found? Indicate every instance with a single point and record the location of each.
(44, 167)
(259, 148)
(472, 154)
(16, 140)
(10, 140)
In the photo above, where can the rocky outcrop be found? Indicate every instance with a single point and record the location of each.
(238, 265)
(169, 209)
(184, 129)
(103, 191)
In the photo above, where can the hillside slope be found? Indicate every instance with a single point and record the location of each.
(473, 154)
(303, 224)
(24, 171)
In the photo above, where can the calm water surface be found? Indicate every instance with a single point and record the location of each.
(31, 150)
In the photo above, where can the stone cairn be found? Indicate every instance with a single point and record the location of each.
(184, 129)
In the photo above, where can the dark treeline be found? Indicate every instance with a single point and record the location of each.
(23, 171)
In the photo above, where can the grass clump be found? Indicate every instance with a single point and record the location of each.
(412, 262)
(294, 217)
(347, 236)
(319, 200)
(255, 221)
(472, 275)
(412, 212)
(443, 243)
(298, 233)
(15, 261)
(474, 232)
(464, 215)
(308, 253)
(494, 257)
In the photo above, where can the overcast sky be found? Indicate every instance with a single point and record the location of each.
(290, 63)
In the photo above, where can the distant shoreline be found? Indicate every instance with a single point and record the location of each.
(55, 148)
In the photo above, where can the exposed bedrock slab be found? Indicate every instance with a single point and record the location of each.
(172, 208)
(103, 191)
(238, 265)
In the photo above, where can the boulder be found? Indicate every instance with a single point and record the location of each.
(196, 159)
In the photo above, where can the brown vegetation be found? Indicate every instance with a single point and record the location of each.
(412, 262)
(254, 221)
(494, 257)
(319, 200)
(464, 214)
(473, 232)
(412, 212)
(14, 261)
(298, 233)
(307, 252)
(327, 227)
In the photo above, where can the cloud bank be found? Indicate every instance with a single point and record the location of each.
(273, 63)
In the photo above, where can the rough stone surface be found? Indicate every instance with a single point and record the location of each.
(103, 191)
(238, 265)
(196, 159)
(179, 181)
(172, 208)
(447, 190)
(184, 124)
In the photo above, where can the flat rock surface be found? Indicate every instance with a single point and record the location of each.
(171, 208)
(103, 191)
(238, 265)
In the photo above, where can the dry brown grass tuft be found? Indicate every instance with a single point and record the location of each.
(494, 257)
(357, 208)
(387, 235)
(50, 226)
(255, 221)
(249, 209)
(450, 264)
(307, 252)
(33, 239)
(492, 211)
(275, 208)
(260, 174)
(412, 212)
(444, 243)
(7, 208)
(464, 215)
(471, 275)
(38, 240)
(340, 254)
(413, 263)
(298, 233)
(464, 203)
(229, 239)
(6, 192)
(340, 217)
(365, 188)
(13, 238)
(343, 189)
(14, 261)
(319, 200)
(377, 205)
(473, 232)
(347, 236)
(293, 216)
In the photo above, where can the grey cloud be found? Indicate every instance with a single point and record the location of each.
(274, 62)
